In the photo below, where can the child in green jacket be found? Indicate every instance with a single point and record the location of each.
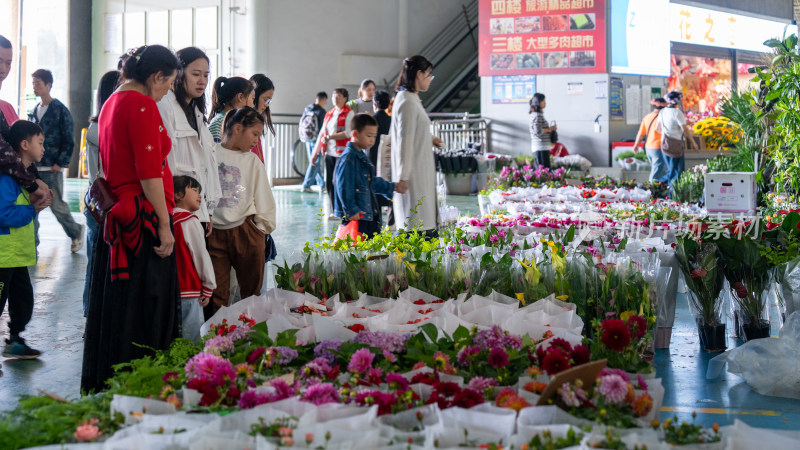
(17, 244)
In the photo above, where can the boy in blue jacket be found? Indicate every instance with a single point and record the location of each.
(355, 180)
(17, 242)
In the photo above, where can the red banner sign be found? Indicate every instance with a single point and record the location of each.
(533, 37)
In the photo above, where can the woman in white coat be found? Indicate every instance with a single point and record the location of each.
(413, 166)
(183, 113)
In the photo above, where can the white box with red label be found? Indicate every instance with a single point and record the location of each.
(733, 192)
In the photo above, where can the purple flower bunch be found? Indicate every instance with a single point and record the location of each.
(240, 332)
(496, 337)
(391, 342)
(218, 345)
(323, 349)
(279, 356)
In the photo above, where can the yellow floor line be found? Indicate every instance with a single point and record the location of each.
(686, 409)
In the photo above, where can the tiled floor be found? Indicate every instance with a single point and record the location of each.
(57, 326)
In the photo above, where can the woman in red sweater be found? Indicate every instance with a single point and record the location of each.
(134, 299)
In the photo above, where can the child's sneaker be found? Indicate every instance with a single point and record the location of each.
(17, 348)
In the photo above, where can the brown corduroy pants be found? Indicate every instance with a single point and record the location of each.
(241, 248)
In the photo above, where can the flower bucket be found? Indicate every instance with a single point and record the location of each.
(458, 183)
(751, 328)
(712, 337)
(629, 164)
(484, 203)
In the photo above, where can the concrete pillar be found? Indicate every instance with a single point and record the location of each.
(80, 72)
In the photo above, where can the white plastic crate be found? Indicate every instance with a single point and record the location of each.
(730, 192)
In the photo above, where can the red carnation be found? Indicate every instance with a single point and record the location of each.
(357, 327)
(580, 355)
(615, 334)
(555, 361)
(638, 326)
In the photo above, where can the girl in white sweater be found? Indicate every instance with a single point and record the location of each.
(245, 213)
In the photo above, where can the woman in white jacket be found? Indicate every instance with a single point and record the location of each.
(183, 112)
(413, 167)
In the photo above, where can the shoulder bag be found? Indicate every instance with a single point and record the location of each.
(99, 198)
(671, 147)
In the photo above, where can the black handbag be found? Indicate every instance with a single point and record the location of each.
(553, 136)
(270, 251)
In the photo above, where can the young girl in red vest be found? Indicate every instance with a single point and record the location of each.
(195, 271)
(333, 138)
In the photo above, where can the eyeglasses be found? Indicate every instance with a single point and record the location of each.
(269, 101)
(431, 76)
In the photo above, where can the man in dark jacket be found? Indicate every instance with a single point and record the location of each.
(314, 173)
(59, 141)
(380, 103)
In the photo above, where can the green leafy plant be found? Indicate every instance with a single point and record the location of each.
(688, 188)
(641, 156)
(685, 433)
(700, 263)
(546, 440)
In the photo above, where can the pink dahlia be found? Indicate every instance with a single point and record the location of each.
(209, 367)
(361, 361)
(252, 398)
(322, 393)
(614, 389)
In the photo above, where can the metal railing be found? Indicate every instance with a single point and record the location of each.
(284, 153)
(457, 133)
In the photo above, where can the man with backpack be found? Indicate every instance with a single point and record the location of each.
(310, 122)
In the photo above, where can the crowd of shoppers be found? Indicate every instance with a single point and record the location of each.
(192, 208)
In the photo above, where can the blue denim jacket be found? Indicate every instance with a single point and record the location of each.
(356, 185)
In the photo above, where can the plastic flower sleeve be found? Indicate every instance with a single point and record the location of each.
(159, 432)
(259, 308)
(241, 420)
(790, 286)
(631, 438)
(769, 366)
(407, 427)
(134, 408)
(741, 436)
(524, 436)
(483, 417)
(547, 415)
(228, 441)
(327, 329)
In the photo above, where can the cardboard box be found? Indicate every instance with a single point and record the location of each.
(730, 192)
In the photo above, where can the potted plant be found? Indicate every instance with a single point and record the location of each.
(749, 275)
(700, 264)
